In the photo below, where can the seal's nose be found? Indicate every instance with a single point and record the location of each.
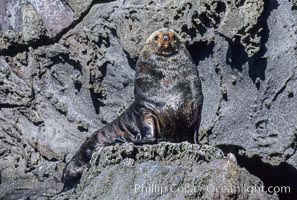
(165, 38)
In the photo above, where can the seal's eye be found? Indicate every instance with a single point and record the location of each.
(156, 37)
(173, 37)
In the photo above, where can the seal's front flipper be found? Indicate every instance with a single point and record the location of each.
(119, 140)
(148, 135)
(145, 141)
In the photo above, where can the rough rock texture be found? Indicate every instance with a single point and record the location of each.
(66, 69)
(294, 4)
(143, 172)
(28, 22)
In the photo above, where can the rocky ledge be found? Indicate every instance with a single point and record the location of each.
(166, 171)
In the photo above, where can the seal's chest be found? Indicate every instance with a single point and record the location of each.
(170, 78)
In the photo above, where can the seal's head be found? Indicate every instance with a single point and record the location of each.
(165, 42)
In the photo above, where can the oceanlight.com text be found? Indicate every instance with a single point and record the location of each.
(210, 188)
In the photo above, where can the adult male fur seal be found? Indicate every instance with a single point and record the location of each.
(167, 106)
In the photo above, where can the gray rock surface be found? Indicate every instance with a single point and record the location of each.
(30, 22)
(165, 171)
(66, 69)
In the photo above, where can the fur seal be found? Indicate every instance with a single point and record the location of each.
(167, 106)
